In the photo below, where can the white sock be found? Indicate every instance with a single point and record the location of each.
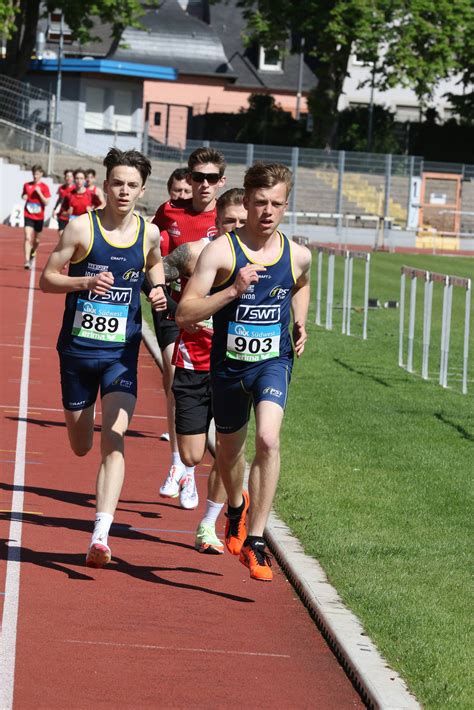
(176, 460)
(103, 521)
(189, 471)
(212, 513)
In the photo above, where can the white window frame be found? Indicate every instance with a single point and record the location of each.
(263, 66)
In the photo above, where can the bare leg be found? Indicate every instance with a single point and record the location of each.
(231, 463)
(80, 429)
(117, 412)
(28, 242)
(265, 468)
(168, 375)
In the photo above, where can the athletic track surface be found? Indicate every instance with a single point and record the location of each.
(161, 626)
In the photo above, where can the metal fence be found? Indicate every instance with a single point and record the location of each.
(337, 190)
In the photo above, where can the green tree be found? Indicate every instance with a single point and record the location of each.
(412, 42)
(19, 23)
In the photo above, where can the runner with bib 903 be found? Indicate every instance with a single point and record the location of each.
(257, 279)
(109, 251)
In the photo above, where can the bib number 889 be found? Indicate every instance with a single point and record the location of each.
(254, 345)
(99, 323)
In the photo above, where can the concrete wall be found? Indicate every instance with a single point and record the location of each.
(12, 179)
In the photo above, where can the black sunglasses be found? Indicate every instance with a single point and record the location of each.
(212, 178)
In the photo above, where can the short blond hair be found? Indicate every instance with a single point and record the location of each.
(267, 175)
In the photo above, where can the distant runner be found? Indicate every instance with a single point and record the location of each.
(36, 195)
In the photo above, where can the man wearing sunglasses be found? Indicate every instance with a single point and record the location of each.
(187, 221)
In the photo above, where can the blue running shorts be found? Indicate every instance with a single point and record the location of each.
(234, 390)
(81, 379)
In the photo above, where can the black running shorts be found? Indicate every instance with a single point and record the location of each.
(192, 393)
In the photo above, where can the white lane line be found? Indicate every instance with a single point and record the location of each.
(12, 581)
(178, 648)
(54, 409)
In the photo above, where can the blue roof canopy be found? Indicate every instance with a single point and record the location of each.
(106, 66)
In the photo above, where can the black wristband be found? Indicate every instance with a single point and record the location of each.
(163, 286)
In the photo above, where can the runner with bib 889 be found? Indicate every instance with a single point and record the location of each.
(108, 252)
(256, 278)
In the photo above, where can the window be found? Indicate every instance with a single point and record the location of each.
(123, 112)
(270, 59)
(360, 62)
(95, 108)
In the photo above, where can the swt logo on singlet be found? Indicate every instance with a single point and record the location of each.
(258, 314)
(119, 295)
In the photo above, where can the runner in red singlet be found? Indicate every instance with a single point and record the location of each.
(186, 221)
(98, 199)
(191, 385)
(65, 189)
(79, 200)
(37, 195)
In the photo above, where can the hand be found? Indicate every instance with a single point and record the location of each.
(194, 327)
(247, 275)
(157, 298)
(101, 283)
(300, 337)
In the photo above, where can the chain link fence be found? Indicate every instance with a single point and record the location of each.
(336, 190)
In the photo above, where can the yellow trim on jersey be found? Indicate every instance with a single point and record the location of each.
(291, 261)
(119, 246)
(78, 261)
(260, 263)
(145, 252)
(234, 261)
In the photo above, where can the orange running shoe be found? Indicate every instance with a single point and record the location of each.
(235, 528)
(98, 555)
(254, 556)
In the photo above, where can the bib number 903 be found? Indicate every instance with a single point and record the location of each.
(254, 345)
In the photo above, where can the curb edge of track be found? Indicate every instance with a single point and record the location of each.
(379, 686)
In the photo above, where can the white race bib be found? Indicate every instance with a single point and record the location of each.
(253, 342)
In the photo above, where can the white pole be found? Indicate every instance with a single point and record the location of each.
(426, 326)
(349, 295)
(443, 332)
(427, 340)
(466, 337)
(330, 292)
(345, 293)
(319, 286)
(402, 319)
(448, 332)
(366, 297)
(411, 323)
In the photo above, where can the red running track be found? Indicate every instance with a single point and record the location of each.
(161, 626)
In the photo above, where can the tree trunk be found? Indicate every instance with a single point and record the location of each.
(21, 45)
(324, 98)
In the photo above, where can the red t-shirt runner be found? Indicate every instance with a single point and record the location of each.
(63, 191)
(183, 223)
(95, 197)
(79, 201)
(34, 208)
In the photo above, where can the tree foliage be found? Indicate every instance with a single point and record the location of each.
(413, 43)
(20, 18)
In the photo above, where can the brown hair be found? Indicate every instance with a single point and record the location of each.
(267, 175)
(91, 171)
(130, 158)
(178, 174)
(37, 168)
(207, 155)
(79, 170)
(234, 196)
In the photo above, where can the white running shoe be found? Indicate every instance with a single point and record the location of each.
(98, 554)
(172, 484)
(165, 436)
(207, 541)
(188, 495)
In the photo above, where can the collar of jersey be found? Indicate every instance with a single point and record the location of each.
(119, 246)
(261, 263)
